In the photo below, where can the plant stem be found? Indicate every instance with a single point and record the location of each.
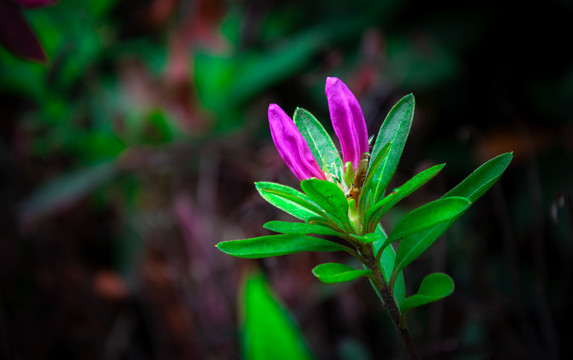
(389, 302)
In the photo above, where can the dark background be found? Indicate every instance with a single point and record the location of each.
(133, 149)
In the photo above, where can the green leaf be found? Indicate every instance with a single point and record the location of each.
(267, 330)
(427, 216)
(472, 188)
(320, 143)
(431, 216)
(434, 287)
(378, 210)
(289, 200)
(395, 130)
(483, 178)
(387, 260)
(276, 245)
(64, 190)
(286, 227)
(332, 273)
(330, 198)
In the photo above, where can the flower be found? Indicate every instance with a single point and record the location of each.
(347, 121)
(291, 145)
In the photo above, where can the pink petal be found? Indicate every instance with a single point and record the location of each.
(291, 145)
(347, 121)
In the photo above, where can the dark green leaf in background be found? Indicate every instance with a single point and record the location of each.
(63, 190)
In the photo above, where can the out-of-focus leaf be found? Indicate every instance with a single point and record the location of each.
(66, 189)
(419, 65)
(226, 82)
(320, 143)
(267, 330)
(332, 273)
(276, 245)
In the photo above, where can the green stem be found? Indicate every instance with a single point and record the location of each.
(388, 301)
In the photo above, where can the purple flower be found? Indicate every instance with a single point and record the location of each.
(291, 145)
(347, 121)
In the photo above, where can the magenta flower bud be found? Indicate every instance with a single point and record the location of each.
(291, 145)
(347, 121)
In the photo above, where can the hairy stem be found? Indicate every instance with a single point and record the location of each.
(389, 302)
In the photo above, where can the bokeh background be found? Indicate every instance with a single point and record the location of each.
(132, 150)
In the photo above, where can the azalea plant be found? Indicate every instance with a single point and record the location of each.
(343, 200)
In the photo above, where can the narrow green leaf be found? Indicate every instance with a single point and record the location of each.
(387, 260)
(286, 227)
(276, 245)
(427, 216)
(378, 210)
(434, 287)
(332, 273)
(267, 330)
(413, 244)
(483, 178)
(329, 197)
(320, 143)
(289, 200)
(472, 188)
(395, 130)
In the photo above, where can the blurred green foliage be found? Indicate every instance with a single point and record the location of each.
(144, 106)
(267, 331)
